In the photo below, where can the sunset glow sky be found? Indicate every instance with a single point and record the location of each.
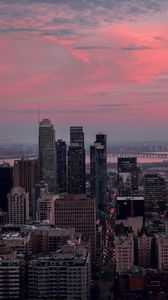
(102, 64)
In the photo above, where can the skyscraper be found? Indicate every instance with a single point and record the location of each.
(61, 164)
(47, 155)
(127, 176)
(76, 161)
(6, 184)
(98, 170)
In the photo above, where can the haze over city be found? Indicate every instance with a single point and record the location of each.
(100, 64)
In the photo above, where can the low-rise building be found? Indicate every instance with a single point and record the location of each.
(17, 241)
(63, 275)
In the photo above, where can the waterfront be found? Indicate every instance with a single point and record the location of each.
(110, 159)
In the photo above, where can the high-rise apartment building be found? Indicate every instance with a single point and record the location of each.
(76, 161)
(47, 154)
(79, 212)
(155, 193)
(6, 184)
(127, 176)
(18, 206)
(61, 163)
(98, 171)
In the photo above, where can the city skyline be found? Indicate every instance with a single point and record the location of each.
(103, 65)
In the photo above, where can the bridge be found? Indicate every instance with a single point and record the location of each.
(159, 155)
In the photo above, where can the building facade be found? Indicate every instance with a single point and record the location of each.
(18, 206)
(124, 252)
(155, 193)
(79, 212)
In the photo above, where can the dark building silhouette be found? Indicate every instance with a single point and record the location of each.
(47, 157)
(6, 184)
(76, 161)
(155, 192)
(61, 156)
(127, 176)
(129, 207)
(76, 176)
(98, 171)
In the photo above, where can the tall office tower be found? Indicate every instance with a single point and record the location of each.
(98, 171)
(61, 164)
(18, 206)
(76, 161)
(6, 184)
(127, 176)
(155, 192)
(79, 212)
(40, 190)
(25, 175)
(76, 177)
(47, 157)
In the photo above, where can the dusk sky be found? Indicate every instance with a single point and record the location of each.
(102, 64)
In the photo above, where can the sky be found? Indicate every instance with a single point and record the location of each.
(102, 64)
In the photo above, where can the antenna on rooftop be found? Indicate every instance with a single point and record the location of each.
(39, 117)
